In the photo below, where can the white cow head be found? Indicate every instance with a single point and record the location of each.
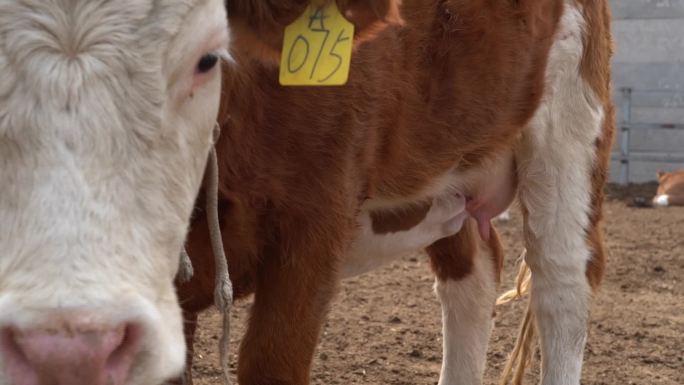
(106, 116)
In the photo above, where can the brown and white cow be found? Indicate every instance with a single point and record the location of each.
(670, 189)
(106, 116)
(475, 98)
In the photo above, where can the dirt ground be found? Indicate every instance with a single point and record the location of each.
(385, 327)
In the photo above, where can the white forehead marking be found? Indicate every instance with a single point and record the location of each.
(50, 49)
(66, 64)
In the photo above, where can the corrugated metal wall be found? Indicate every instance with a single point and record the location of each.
(650, 56)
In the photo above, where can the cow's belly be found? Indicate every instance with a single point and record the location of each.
(411, 224)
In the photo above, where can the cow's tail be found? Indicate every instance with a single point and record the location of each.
(521, 356)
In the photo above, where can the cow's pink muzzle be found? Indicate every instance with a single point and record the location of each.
(70, 351)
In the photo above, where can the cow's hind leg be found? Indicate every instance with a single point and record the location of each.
(467, 272)
(562, 162)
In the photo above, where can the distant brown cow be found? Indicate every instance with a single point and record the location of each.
(670, 189)
(477, 98)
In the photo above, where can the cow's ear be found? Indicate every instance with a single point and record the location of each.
(660, 174)
(258, 26)
(370, 17)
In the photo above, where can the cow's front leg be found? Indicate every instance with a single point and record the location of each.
(295, 283)
(562, 163)
(190, 327)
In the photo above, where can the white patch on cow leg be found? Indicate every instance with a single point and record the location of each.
(370, 250)
(662, 200)
(467, 307)
(555, 160)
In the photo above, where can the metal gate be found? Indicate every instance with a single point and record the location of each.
(625, 155)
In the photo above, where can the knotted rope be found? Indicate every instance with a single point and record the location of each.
(223, 289)
(521, 356)
(185, 272)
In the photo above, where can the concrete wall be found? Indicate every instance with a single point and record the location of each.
(649, 35)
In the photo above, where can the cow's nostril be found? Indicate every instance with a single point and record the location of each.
(121, 358)
(14, 359)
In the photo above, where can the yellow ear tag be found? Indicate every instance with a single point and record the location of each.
(317, 47)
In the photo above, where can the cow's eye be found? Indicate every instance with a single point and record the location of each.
(207, 62)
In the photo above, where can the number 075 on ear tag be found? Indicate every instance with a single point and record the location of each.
(317, 47)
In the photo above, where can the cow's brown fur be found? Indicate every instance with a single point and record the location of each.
(453, 257)
(455, 84)
(595, 70)
(258, 25)
(394, 221)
